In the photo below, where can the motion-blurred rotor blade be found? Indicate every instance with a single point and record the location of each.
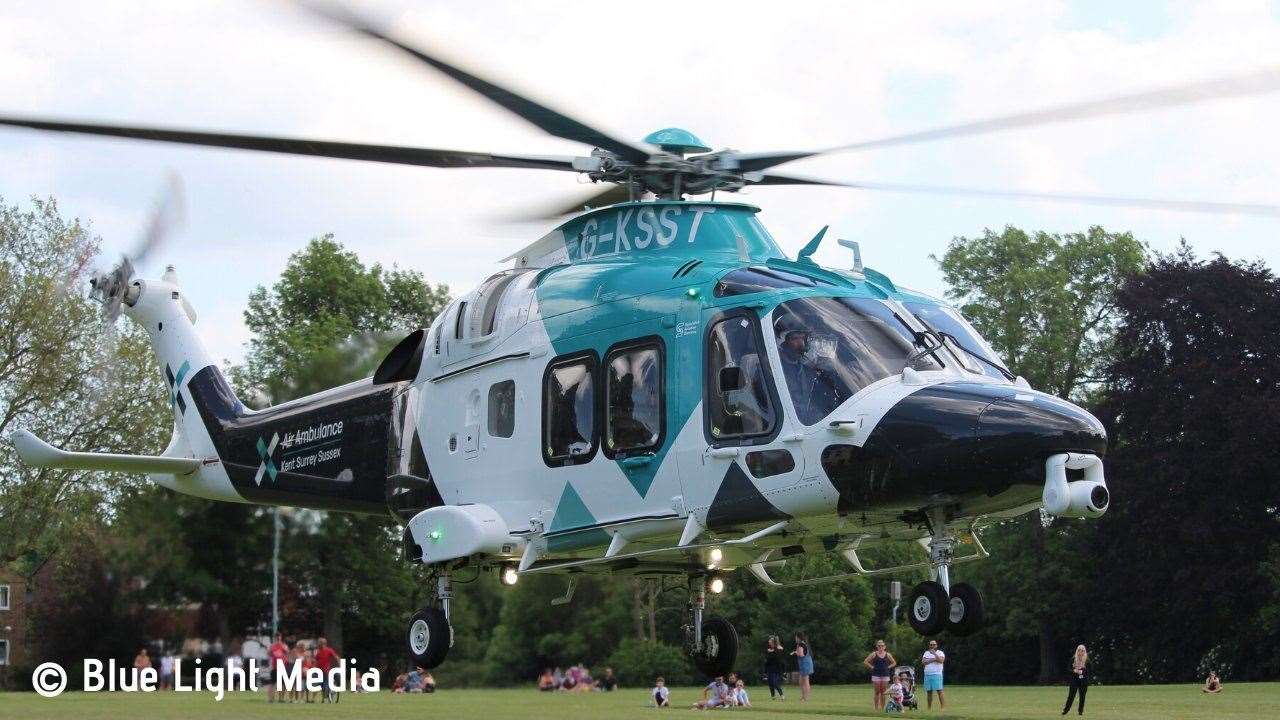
(1200, 206)
(608, 196)
(398, 154)
(548, 120)
(1255, 83)
(170, 212)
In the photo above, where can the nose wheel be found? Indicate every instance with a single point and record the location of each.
(430, 635)
(937, 605)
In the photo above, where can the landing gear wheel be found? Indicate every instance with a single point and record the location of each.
(927, 608)
(965, 611)
(719, 648)
(430, 636)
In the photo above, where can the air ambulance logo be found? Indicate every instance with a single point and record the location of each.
(268, 465)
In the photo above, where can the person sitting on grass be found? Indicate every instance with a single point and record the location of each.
(608, 682)
(1212, 684)
(546, 681)
(428, 682)
(661, 695)
(894, 696)
(740, 697)
(413, 683)
(398, 685)
(714, 695)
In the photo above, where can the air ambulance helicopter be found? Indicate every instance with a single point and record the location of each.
(652, 389)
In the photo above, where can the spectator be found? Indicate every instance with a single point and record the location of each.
(804, 663)
(1212, 684)
(879, 662)
(894, 696)
(773, 667)
(740, 697)
(933, 662)
(308, 662)
(296, 659)
(416, 680)
(608, 682)
(547, 681)
(714, 695)
(166, 671)
(141, 661)
(661, 695)
(1079, 678)
(397, 686)
(326, 659)
(558, 676)
(277, 655)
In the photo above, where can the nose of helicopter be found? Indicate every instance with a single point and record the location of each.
(955, 438)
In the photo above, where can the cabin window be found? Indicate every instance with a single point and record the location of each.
(766, 463)
(739, 397)
(831, 348)
(949, 321)
(4, 652)
(569, 429)
(634, 388)
(502, 409)
(4, 597)
(459, 320)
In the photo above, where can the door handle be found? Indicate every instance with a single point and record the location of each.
(724, 452)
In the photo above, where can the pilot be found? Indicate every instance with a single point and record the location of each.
(813, 389)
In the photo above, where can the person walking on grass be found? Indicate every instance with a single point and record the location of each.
(879, 662)
(933, 662)
(773, 667)
(1079, 678)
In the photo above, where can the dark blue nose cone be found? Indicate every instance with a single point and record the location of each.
(956, 439)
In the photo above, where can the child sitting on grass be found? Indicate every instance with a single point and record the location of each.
(661, 695)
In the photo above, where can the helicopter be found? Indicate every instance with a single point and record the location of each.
(652, 389)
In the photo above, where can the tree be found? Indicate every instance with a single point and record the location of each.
(328, 320)
(1044, 302)
(65, 379)
(1192, 399)
(1047, 305)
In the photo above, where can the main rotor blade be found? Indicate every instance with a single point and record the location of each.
(1199, 206)
(169, 213)
(608, 196)
(548, 120)
(398, 154)
(1262, 81)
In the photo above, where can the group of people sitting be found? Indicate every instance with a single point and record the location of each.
(723, 692)
(417, 680)
(576, 679)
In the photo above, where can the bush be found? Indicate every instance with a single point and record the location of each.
(637, 663)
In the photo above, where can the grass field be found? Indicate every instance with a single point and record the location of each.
(1161, 702)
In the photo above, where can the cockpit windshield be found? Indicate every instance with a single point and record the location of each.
(947, 321)
(833, 347)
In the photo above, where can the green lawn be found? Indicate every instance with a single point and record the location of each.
(1159, 702)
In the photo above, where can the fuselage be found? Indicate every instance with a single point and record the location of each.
(645, 369)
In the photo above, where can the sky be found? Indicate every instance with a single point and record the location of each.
(753, 76)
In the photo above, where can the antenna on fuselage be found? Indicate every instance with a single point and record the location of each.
(857, 253)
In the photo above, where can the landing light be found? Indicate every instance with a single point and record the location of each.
(435, 534)
(717, 585)
(510, 576)
(716, 555)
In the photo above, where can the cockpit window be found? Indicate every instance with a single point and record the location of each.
(739, 402)
(759, 279)
(946, 320)
(833, 347)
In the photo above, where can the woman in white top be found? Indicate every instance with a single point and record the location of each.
(934, 659)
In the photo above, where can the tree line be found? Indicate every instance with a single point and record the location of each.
(1175, 353)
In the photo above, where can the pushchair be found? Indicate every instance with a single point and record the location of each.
(906, 676)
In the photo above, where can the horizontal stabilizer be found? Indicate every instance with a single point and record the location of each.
(38, 453)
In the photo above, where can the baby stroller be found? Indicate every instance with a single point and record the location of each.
(906, 676)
